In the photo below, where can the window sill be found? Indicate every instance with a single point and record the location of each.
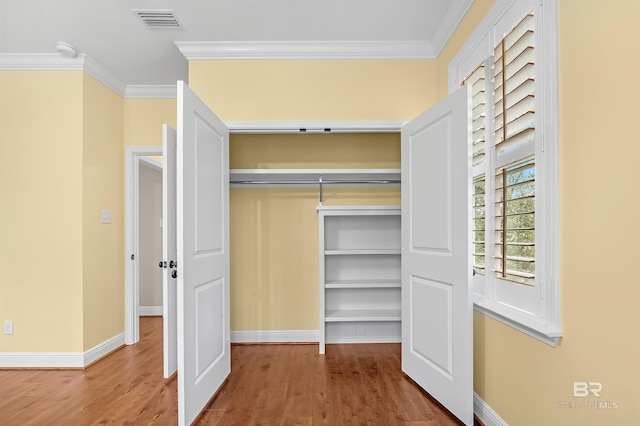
(544, 334)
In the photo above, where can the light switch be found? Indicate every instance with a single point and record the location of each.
(106, 216)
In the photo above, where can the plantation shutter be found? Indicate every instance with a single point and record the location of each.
(477, 82)
(514, 141)
(478, 90)
(514, 101)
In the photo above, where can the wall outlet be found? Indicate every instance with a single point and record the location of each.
(8, 327)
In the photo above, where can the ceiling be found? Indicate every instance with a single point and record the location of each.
(111, 34)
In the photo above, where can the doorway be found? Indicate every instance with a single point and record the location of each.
(150, 237)
(136, 157)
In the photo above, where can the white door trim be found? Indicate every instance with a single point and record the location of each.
(133, 156)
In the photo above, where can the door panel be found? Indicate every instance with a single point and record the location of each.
(203, 256)
(169, 252)
(437, 311)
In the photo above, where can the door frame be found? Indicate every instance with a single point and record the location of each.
(134, 155)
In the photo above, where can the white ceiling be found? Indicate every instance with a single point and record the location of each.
(111, 34)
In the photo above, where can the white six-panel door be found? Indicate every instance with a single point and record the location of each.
(437, 322)
(203, 257)
(169, 252)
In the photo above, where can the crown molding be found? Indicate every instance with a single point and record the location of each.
(56, 62)
(449, 24)
(40, 62)
(103, 75)
(217, 50)
(145, 91)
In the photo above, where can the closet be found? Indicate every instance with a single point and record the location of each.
(280, 185)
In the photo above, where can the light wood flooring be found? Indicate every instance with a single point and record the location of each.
(269, 385)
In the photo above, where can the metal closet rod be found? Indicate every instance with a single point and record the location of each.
(309, 181)
(320, 181)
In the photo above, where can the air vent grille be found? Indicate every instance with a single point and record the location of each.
(157, 18)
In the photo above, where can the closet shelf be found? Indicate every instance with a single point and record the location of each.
(360, 274)
(374, 283)
(361, 315)
(351, 252)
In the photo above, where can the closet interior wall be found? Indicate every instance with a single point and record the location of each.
(274, 228)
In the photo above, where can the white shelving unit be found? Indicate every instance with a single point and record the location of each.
(359, 274)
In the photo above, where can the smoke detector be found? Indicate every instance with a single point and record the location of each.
(66, 49)
(157, 18)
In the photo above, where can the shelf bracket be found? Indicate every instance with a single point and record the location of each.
(320, 190)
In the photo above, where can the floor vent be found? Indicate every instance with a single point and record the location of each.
(157, 18)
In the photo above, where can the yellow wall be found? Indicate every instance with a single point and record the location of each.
(143, 120)
(314, 90)
(518, 376)
(41, 210)
(274, 231)
(103, 187)
(62, 135)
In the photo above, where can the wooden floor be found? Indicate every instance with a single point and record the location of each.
(269, 385)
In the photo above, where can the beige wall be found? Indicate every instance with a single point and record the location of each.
(41, 230)
(143, 120)
(315, 90)
(103, 187)
(62, 135)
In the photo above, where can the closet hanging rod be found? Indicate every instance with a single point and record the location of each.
(313, 181)
(320, 181)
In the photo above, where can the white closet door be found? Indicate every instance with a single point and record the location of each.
(169, 252)
(204, 360)
(437, 321)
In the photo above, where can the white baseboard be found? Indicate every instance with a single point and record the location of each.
(363, 339)
(103, 349)
(149, 311)
(275, 336)
(485, 413)
(60, 359)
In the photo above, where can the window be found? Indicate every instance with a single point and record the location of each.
(510, 63)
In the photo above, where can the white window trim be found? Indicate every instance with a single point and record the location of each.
(479, 47)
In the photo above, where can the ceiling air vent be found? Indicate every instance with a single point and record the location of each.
(157, 18)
